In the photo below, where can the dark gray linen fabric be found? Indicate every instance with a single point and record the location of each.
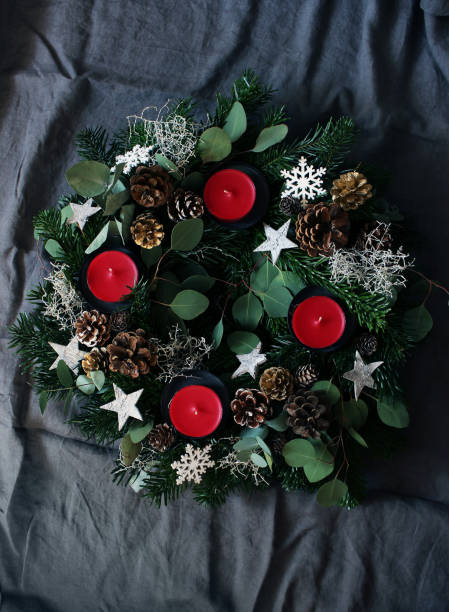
(70, 540)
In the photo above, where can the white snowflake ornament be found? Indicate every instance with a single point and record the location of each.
(303, 181)
(193, 464)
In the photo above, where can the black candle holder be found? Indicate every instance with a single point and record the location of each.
(261, 202)
(196, 377)
(94, 302)
(350, 319)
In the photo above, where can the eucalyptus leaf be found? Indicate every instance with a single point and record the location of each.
(199, 282)
(130, 450)
(331, 493)
(64, 374)
(289, 279)
(241, 342)
(246, 444)
(150, 257)
(217, 334)
(254, 432)
(298, 452)
(85, 385)
(167, 287)
(322, 465)
(247, 311)
(189, 304)
(187, 234)
(137, 432)
(98, 378)
(357, 437)
(270, 136)
(258, 460)
(168, 165)
(114, 201)
(66, 213)
(99, 239)
(88, 178)
(43, 401)
(235, 124)
(126, 217)
(262, 278)
(263, 445)
(214, 145)
(417, 323)
(117, 172)
(269, 460)
(54, 248)
(355, 413)
(244, 455)
(392, 412)
(279, 423)
(194, 181)
(276, 301)
(119, 225)
(331, 392)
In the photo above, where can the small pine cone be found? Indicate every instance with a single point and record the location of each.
(276, 383)
(306, 375)
(308, 415)
(374, 236)
(250, 407)
(132, 354)
(320, 228)
(151, 186)
(92, 328)
(146, 231)
(367, 345)
(96, 360)
(161, 437)
(290, 206)
(119, 321)
(185, 205)
(351, 190)
(278, 443)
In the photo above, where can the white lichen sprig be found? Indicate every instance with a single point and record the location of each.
(373, 267)
(181, 352)
(61, 300)
(242, 469)
(193, 464)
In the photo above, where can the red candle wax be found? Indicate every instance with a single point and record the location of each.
(110, 274)
(196, 411)
(318, 321)
(229, 194)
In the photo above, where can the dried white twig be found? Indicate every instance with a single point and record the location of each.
(242, 469)
(376, 269)
(62, 302)
(181, 352)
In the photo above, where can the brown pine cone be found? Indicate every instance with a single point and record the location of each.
(374, 236)
(306, 375)
(250, 407)
(146, 231)
(161, 437)
(278, 443)
(97, 359)
(185, 205)
(367, 344)
(151, 186)
(351, 190)
(131, 354)
(290, 206)
(276, 383)
(308, 414)
(118, 321)
(320, 227)
(92, 328)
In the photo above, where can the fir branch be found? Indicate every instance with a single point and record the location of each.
(92, 144)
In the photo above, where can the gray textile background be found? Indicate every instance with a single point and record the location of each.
(70, 540)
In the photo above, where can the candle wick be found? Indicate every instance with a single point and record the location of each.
(109, 269)
(320, 318)
(195, 412)
(227, 192)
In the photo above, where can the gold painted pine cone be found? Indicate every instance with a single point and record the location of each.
(351, 190)
(151, 186)
(146, 231)
(92, 328)
(320, 227)
(96, 360)
(276, 383)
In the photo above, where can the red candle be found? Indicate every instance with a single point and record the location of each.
(111, 274)
(196, 411)
(318, 322)
(229, 194)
